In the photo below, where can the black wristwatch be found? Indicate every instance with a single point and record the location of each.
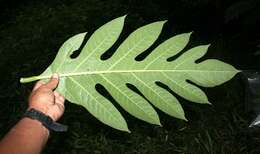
(45, 120)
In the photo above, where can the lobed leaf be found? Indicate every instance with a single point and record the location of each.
(80, 75)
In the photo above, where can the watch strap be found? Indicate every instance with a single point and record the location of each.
(45, 120)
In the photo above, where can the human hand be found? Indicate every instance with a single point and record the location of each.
(46, 100)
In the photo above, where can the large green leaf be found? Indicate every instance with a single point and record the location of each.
(80, 76)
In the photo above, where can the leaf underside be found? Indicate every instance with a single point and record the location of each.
(79, 76)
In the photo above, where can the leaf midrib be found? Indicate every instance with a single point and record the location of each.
(132, 71)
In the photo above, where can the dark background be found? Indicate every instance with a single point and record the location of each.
(32, 31)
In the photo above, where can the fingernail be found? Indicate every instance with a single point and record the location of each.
(55, 75)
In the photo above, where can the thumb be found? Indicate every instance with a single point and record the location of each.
(53, 82)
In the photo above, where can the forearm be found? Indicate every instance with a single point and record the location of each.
(27, 137)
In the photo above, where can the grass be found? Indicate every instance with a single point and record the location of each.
(31, 36)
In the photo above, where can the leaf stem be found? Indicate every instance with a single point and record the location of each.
(33, 78)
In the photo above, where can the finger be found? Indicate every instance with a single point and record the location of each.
(37, 85)
(60, 106)
(61, 97)
(60, 100)
(60, 103)
(53, 83)
(56, 94)
(57, 111)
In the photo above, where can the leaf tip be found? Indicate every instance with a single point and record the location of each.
(125, 130)
(208, 103)
(205, 101)
(83, 33)
(189, 33)
(238, 71)
(162, 22)
(123, 17)
(185, 119)
(128, 131)
(159, 23)
(123, 127)
(207, 45)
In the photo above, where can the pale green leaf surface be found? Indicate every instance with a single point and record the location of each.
(79, 76)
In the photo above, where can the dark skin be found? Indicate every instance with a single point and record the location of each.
(29, 136)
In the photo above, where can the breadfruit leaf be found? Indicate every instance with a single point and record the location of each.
(80, 75)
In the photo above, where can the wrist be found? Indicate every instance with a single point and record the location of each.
(33, 123)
